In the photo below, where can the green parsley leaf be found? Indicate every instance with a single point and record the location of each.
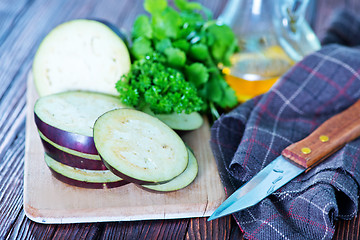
(197, 74)
(181, 44)
(199, 52)
(166, 24)
(162, 45)
(184, 5)
(130, 95)
(214, 90)
(175, 57)
(222, 38)
(155, 6)
(142, 27)
(229, 98)
(141, 47)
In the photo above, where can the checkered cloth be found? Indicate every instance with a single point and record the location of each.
(245, 140)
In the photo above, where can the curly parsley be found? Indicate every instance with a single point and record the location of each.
(162, 88)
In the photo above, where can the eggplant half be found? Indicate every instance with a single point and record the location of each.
(80, 54)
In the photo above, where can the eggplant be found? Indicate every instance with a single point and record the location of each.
(68, 150)
(179, 121)
(73, 159)
(83, 178)
(67, 139)
(181, 181)
(67, 118)
(138, 147)
(80, 54)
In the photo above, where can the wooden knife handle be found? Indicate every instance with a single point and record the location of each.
(328, 138)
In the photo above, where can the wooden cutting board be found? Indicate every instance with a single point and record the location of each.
(47, 200)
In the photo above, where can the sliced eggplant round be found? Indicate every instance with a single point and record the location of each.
(67, 118)
(181, 181)
(83, 178)
(68, 150)
(179, 121)
(73, 159)
(80, 55)
(138, 147)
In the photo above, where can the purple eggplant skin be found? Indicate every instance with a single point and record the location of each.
(128, 178)
(70, 159)
(77, 142)
(83, 184)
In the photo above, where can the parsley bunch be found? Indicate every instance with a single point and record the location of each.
(187, 40)
(163, 89)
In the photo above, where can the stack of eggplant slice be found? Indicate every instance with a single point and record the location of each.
(90, 138)
(65, 125)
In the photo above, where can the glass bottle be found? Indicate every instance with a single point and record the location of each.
(272, 36)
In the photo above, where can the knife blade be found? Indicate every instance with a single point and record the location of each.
(297, 158)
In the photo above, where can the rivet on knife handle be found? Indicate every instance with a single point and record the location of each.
(327, 138)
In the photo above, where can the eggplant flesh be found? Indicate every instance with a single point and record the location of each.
(67, 118)
(81, 54)
(181, 181)
(138, 147)
(179, 121)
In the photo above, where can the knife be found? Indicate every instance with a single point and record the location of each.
(297, 158)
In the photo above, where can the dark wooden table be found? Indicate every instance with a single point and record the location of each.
(23, 24)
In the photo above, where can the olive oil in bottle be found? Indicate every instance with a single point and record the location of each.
(254, 73)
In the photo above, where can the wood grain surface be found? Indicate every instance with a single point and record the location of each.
(328, 138)
(23, 24)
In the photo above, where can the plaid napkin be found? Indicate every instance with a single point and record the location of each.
(245, 140)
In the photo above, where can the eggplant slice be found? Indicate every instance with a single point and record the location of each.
(67, 118)
(70, 157)
(138, 147)
(83, 178)
(179, 121)
(181, 181)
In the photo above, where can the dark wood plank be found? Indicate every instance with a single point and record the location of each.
(13, 115)
(200, 228)
(347, 229)
(11, 183)
(155, 229)
(78, 231)
(25, 229)
(11, 12)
